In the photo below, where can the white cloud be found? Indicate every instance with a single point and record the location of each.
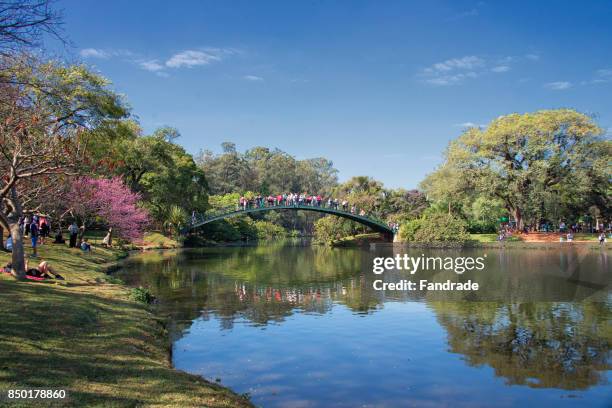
(94, 53)
(192, 58)
(468, 13)
(468, 62)
(453, 71)
(558, 85)
(152, 65)
(605, 73)
(252, 78)
(532, 57)
(602, 76)
(501, 68)
(468, 125)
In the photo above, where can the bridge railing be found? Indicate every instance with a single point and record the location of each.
(198, 219)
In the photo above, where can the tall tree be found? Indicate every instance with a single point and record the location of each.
(524, 160)
(46, 114)
(110, 201)
(161, 170)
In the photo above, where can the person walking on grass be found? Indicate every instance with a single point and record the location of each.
(74, 231)
(34, 232)
(26, 223)
(108, 239)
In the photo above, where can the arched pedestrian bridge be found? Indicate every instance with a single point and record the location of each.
(375, 224)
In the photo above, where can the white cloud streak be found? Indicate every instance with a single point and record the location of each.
(501, 68)
(252, 78)
(94, 53)
(152, 65)
(191, 58)
(558, 85)
(452, 71)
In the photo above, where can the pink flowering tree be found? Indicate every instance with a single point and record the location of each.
(109, 201)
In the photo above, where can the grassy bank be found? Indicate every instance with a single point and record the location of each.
(357, 240)
(86, 336)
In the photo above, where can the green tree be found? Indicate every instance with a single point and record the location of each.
(435, 227)
(46, 115)
(524, 160)
(155, 166)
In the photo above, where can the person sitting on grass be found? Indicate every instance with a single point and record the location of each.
(85, 246)
(43, 271)
(59, 238)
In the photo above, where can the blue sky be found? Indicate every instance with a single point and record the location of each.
(377, 87)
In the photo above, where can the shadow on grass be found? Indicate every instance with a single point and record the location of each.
(103, 351)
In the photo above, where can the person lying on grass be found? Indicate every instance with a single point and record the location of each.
(43, 271)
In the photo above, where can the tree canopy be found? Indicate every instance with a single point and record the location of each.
(548, 164)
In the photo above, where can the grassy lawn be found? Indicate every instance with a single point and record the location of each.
(491, 238)
(86, 336)
(157, 240)
(356, 240)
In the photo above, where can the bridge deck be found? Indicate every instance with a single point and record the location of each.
(375, 224)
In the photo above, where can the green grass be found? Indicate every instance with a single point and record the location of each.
(581, 236)
(356, 240)
(492, 238)
(157, 240)
(86, 336)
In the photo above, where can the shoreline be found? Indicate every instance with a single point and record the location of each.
(87, 336)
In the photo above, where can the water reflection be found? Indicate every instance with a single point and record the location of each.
(541, 319)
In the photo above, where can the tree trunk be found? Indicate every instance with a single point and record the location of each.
(1, 238)
(518, 218)
(17, 258)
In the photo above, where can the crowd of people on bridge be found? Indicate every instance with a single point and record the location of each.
(298, 200)
(301, 200)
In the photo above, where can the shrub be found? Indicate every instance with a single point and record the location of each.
(482, 227)
(142, 295)
(435, 227)
(409, 228)
(268, 230)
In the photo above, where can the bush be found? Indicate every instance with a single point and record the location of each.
(268, 230)
(482, 227)
(409, 228)
(434, 227)
(330, 228)
(142, 295)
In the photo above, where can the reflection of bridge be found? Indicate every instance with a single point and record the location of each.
(375, 224)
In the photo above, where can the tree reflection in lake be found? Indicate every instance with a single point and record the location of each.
(543, 345)
(541, 318)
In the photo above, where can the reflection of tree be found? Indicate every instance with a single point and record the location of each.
(560, 345)
(255, 283)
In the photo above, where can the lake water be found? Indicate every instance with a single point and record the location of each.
(301, 326)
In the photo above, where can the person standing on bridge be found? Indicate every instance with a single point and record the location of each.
(344, 205)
